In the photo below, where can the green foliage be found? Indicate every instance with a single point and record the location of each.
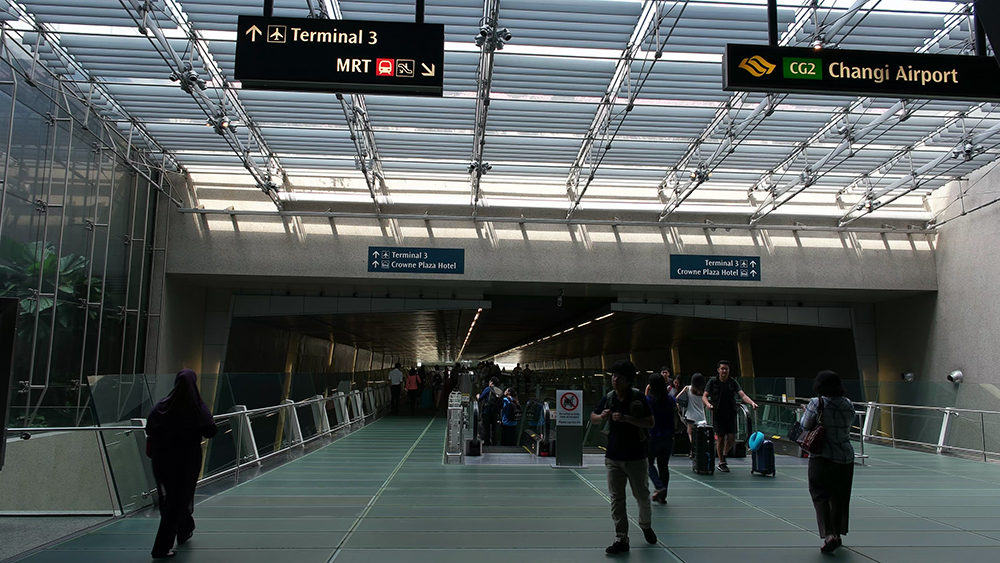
(21, 264)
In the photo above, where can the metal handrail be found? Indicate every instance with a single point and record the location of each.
(954, 410)
(217, 417)
(240, 460)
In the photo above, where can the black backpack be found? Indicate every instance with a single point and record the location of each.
(612, 396)
(493, 404)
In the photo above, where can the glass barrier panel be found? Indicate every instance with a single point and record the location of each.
(268, 431)
(118, 398)
(307, 421)
(221, 450)
(131, 471)
(917, 428)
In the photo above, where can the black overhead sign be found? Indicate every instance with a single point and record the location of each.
(760, 68)
(346, 56)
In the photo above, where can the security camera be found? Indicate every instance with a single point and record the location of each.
(505, 35)
(906, 376)
(956, 376)
(559, 301)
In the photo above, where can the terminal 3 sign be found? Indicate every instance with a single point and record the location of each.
(760, 68)
(348, 56)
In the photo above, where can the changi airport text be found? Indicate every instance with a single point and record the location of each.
(882, 74)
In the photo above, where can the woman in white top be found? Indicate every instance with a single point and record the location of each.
(690, 405)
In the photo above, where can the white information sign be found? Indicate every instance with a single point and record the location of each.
(569, 408)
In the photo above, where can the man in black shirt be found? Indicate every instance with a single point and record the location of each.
(721, 394)
(625, 459)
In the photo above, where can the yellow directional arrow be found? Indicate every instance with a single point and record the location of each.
(253, 32)
(428, 71)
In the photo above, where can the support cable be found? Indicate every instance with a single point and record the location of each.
(256, 156)
(967, 149)
(724, 120)
(367, 158)
(778, 196)
(647, 30)
(490, 39)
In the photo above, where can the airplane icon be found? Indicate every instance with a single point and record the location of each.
(275, 34)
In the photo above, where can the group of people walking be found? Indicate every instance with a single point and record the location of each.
(641, 429)
(640, 442)
(420, 384)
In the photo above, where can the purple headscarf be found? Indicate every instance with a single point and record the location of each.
(182, 408)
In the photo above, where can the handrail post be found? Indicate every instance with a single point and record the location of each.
(892, 425)
(293, 430)
(320, 416)
(945, 429)
(866, 432)
(982, 421)
(250, 443)
(239, 448)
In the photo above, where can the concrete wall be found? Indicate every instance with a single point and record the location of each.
(55, 473)
(967, 313)
(318, 248)
(182, 326)
(956, 328)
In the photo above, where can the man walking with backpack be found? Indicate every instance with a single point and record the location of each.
(625, 460)
(490, 404)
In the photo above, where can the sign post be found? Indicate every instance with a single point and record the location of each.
(569, 426)
(347, 56)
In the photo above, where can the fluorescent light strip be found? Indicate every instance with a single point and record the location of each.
(546, 337)
(472, 326)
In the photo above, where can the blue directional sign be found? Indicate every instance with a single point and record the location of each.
(723, 268)
(395, 260)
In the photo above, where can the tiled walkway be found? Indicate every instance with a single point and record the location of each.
(382, 495)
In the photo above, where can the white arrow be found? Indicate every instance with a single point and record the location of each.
(375, 263)
(375, 254)
(253, 32)
(428, 71)
(753, 272)
(753, 263)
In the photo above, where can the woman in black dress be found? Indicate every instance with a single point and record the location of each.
(174, 432)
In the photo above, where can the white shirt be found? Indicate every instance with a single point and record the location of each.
(395, 377)
(695, 408)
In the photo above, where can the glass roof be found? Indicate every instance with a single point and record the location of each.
(557, 132)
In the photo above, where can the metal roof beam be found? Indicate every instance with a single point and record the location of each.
(677, 194)
(255, 149)
(776, 196)
(96, 89)
(489, 40)
(808, 175)
(367, 158)
(968, 148)
(602, 117)
(647, 29)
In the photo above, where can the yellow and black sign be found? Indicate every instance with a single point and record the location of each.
(340, 56)
(760, 68)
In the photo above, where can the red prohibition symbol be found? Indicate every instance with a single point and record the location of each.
(569, 402)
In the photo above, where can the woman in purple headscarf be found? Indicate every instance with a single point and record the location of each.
(174, 432)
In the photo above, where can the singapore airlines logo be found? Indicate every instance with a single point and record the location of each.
(757, 66)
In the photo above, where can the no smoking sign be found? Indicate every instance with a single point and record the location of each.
(568, 410)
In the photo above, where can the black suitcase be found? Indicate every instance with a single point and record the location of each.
(703, 446)
(763, 460)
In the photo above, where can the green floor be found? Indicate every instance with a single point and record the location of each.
(382, 495)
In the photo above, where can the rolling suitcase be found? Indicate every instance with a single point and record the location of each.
(763, 460)
(703, 462)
